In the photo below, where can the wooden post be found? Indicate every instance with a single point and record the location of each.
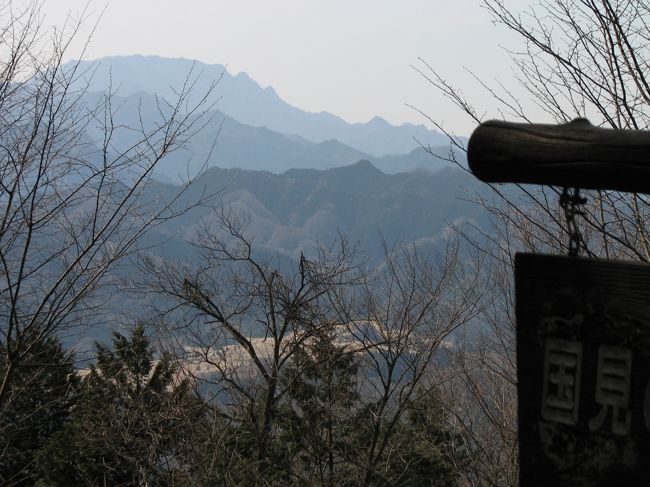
(575, 154)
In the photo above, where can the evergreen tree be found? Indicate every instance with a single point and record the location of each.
(430, 454)
(128, 428)
(318, 412)
(38, 403)
(325, 431)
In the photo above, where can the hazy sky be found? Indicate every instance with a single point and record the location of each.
(349, 57)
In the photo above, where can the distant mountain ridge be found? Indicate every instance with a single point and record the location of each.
(246, 147)
(246, 101)
(287, 213)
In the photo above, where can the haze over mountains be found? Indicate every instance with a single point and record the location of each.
(245, 101)
(298, 178)
(272, 164)
(288, 213)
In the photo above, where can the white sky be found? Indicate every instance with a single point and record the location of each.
(349, 57)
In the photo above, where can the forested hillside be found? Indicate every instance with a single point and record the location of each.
(289, 213)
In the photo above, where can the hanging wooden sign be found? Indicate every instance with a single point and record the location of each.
(583, 371)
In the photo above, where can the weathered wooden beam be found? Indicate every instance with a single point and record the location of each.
(575, 154)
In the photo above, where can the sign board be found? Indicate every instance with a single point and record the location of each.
(583, 371)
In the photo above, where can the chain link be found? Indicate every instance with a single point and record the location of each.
(571, 202)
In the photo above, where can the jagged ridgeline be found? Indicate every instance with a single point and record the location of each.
(288, 213)
(292, 213)
(256, 128)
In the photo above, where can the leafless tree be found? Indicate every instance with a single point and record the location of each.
(400, 320)
(582, 58)
(70, 207)
(246, 317)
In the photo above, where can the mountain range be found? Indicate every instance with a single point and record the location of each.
(288, 213)
(243, 99)
(295, 190)
(227, 143)
(298, 178)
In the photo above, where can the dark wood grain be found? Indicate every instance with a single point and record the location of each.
(593, 305)
(575, 154)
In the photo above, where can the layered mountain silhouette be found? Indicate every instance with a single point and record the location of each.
(227, 143)
(291, 213)
(241, 98)
(275, 163)
(299, 179)
(288, 213)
